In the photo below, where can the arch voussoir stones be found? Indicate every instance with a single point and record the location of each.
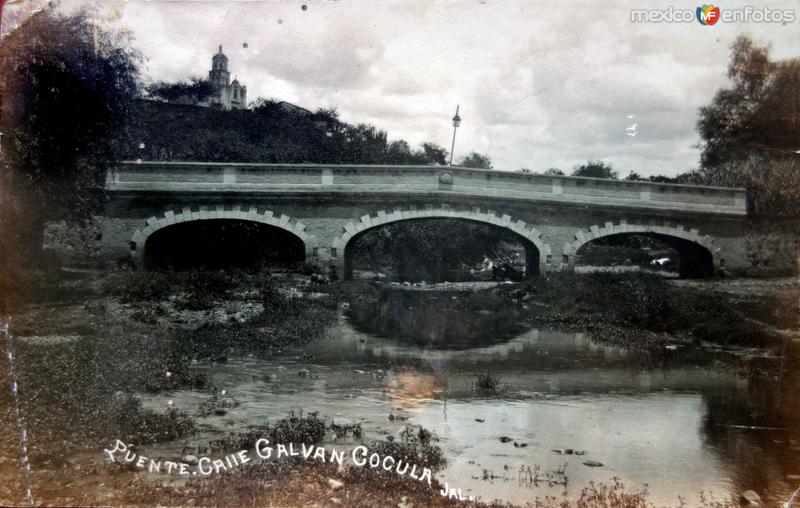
(238, 212)
(662, 228)
(354, 228)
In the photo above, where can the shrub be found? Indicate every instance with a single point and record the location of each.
(128, 420)
(415, 446)
(296, 428)
(487, 382)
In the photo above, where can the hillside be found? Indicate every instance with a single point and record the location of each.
(269, 133)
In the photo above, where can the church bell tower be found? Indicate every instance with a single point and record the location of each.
(219, 75)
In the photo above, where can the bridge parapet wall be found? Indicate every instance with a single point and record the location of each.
(301, 178)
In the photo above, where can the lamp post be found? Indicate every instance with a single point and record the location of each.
(456, 123)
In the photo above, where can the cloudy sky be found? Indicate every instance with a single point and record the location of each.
(540, 84)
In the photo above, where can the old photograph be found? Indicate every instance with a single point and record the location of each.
(400, 253)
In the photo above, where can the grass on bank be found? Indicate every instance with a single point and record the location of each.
(87, 380)
(634, 302)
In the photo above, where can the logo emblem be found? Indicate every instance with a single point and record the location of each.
(707, 14)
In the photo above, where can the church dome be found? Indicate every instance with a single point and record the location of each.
(220, 56)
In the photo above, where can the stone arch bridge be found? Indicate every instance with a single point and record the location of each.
(327, 206)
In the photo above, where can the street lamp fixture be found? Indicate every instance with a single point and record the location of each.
(456, 123)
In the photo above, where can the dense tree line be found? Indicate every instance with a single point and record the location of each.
(267, 132)
(194, 91)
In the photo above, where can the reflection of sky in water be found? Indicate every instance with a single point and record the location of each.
(559, 390)
(651, 439)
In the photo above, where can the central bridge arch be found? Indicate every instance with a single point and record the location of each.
(527, 233)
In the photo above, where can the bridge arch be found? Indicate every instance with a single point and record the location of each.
(704, 243)
(382, 217)
(202, 213)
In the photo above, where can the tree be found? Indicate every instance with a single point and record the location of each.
(751, 130)
(398, 152)
(476, 160)
(68, 86)
(434, 154)
(595, 169)
(553, 172)
(772, 183)
(633, 176)
(364, 144)
(196, 90)
(758, 114)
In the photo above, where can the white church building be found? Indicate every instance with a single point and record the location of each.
(229, 95)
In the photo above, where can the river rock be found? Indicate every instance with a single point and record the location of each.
(505, 439)
(750, 497)
(592, 463)
(220, 412)
(189, 459)
(335, 484)
(303, 373)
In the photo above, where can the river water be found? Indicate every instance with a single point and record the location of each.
(672, 421)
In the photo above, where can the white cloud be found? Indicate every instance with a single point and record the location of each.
(539, 85)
